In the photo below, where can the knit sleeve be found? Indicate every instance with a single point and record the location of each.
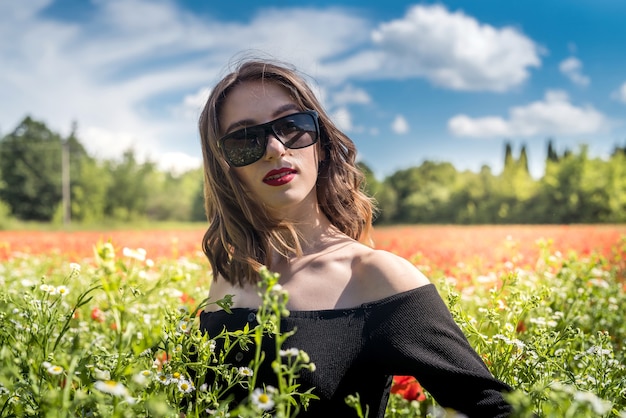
(413, 333)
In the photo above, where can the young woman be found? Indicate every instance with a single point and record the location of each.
(282, 191)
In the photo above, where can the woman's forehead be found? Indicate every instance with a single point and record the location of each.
(254, 102)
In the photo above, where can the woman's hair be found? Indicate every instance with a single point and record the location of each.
(241, 233)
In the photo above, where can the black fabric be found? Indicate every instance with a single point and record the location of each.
(359, 350)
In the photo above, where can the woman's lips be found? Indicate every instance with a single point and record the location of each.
(279, 177)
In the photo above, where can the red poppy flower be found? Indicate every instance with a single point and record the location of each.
(408, 387)
(160, 359)
(187, 300)
(97, 315)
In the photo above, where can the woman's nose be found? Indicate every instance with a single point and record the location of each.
(274, 148)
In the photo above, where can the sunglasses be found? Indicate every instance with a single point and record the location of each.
(246, 146)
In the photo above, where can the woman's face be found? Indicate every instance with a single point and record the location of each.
(284, 179)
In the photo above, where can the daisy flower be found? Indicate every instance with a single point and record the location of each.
(262, 399)
(139, 254)
(142, 377)
(47, 288)
(290, 352)
(111, 387)
(185, 386)
(52, 369)
(245, 372)
(163, 378)
(62, 290)
(183, 326)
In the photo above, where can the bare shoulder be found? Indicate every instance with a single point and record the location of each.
(241, 296)
(219, 289)
(386, 274)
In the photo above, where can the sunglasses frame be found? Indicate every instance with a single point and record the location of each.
(268, 128)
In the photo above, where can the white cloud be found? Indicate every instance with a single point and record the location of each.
(284, 32)
(554, 115)
(454, 50)
(342, 118)
(399, 125)
(485, 127)
(61, 72)
(620, 93)
(349, 95)
(178, 162)
(571, 68)
(192, 104)
(134, 72)
(108, 143)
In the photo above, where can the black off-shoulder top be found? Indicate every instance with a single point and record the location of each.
(358, 350)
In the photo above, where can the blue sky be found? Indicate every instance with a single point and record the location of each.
(408, 81)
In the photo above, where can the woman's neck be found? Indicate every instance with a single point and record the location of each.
(315, 236)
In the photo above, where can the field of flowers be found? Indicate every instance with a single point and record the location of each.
(105, 323)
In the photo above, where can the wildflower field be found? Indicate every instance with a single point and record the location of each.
(104, 323)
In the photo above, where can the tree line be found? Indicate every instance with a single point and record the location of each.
(100, 191)
(573, 189)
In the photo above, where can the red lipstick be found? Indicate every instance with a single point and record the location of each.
(279, 177)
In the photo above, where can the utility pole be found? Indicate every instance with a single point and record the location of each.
(65, 179)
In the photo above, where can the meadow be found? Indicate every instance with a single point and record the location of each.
(104, 323)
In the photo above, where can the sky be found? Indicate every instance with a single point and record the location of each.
(447, 81)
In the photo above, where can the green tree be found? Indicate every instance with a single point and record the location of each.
(522, 162)
(559, 195)
(387, 200)
(384, 196)
(508, 154)
(198, 213)
(90, 184)
(129, 189)
(372, 185)
(172, 196)
(516, 188)
(603, 190)
(30, 163)
(615, 176)
(473, 199)
(551, 154)
(424, 192)
(619, 150)
(89, 181)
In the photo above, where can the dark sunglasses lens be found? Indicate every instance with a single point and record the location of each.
(244, 147)
(296, 131)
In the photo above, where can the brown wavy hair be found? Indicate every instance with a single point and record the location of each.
(241, 234)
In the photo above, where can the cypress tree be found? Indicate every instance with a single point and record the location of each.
(551, 154)
(508, 155)
(523, 159)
